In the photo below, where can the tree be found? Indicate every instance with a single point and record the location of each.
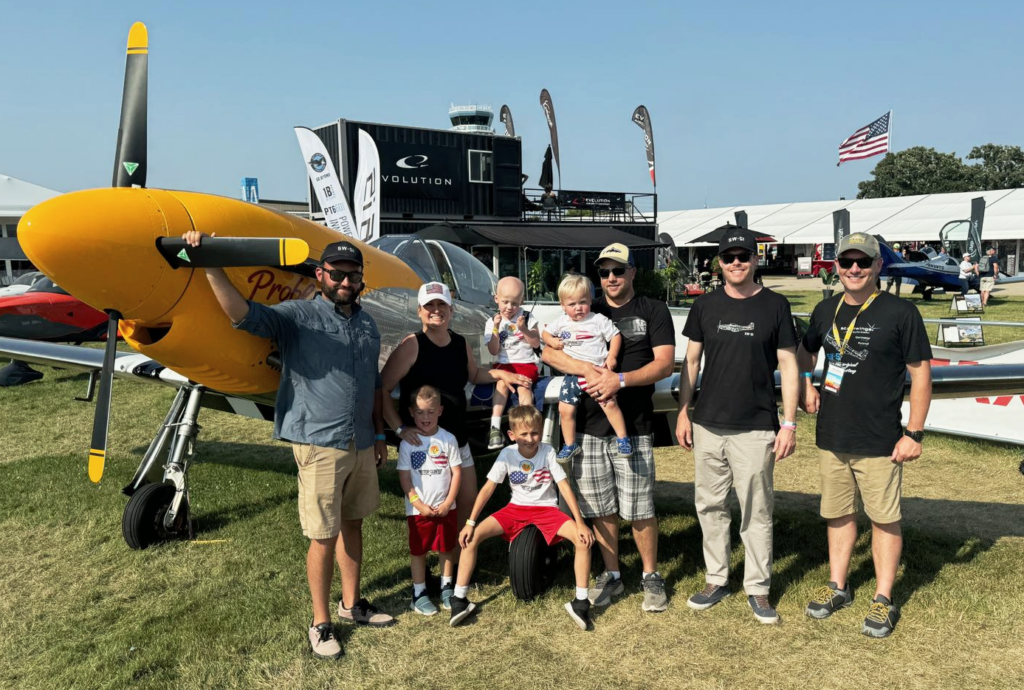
(1001, 167)
(919, 170)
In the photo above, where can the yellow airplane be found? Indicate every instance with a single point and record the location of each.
(119, 250)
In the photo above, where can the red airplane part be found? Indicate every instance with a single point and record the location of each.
(46, 312)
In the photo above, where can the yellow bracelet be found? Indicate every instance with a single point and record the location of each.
(471, 523)
(413, 498)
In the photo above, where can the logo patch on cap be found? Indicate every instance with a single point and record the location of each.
(434, 289)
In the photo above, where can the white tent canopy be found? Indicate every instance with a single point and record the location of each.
(895, 218)
(18, 196)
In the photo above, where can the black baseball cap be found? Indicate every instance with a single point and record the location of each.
(341, 251)
(738, 238)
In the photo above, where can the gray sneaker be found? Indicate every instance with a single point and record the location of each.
(323, 642)
(655, 599)
(708, 597)
(827, 600)
(605, 587)
(495, 440)
(763, 610)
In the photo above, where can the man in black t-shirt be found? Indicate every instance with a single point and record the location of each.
(871, 340)
(612, 487)
(988, 271)
(744, 333)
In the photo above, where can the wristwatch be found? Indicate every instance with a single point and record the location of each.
(917, 436)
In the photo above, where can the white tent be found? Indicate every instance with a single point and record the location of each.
(894, 218)
(18, 196)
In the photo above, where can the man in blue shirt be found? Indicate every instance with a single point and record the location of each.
(329, 408)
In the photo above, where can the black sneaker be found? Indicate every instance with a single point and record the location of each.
(881, 619)
(461, 607)
(763, 609)
(827, 600)
(708, 597)
(579, 611)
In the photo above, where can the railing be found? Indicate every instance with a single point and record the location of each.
(589, 206)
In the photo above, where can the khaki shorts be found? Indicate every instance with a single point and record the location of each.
(987, 284)
(334, 485)
(878, 480)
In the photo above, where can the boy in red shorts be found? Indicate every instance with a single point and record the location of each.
(533, 473)
(511, 335)
(430, 473)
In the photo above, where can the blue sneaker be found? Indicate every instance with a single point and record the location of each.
(423, 605)
(625, 447)
(447, 593)
(567, 453)
(708, 597)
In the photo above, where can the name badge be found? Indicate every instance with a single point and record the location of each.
(834, 378)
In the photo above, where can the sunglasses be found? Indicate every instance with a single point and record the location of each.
(744, 257)
(862, 262)
(618, 272)
(338, 276)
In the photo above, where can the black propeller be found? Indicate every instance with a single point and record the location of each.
(225, 252)
(130, 159)
(101, 422)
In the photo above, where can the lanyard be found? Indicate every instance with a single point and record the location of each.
(849, 329)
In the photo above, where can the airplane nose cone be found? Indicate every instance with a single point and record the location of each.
(100, 245)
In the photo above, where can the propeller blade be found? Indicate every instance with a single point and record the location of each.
(225, 252)
(130, 157)
(101, 422)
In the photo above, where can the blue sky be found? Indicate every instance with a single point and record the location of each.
(749, 100)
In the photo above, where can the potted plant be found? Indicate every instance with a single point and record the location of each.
(828, 280)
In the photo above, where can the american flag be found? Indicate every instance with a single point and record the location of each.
(517, 477)
(542, 476)
(418, 458)
(434, 289)
(867, 141)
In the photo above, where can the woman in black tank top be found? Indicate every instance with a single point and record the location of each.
(440, 358)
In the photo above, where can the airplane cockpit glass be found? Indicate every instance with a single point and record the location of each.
(954, 237)
(30, 278)
(47, 285)
(413, 252)
(447, 276)
(475, 282)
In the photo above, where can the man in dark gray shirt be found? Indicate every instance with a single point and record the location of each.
(329, 408)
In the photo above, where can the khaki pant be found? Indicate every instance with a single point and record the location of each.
(744, 460)
(334, 485)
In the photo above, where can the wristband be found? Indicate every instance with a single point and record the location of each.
(380, 437)
(808, 374)
(414, 498)
(789, 425)
(471, 523)
(622, 380)
(400, 429)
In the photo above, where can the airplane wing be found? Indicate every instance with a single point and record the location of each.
(127, 365)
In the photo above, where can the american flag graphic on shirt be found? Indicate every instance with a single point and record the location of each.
(418, 457)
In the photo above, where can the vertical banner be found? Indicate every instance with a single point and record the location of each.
(506, 119)
(741, 219)
(642, 118)
(549, 115)
(251, 190)
(840, 225)
(974, 233)
(367, 191)
(329, 192)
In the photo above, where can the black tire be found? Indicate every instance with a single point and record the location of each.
(143, 522)
(530, 562)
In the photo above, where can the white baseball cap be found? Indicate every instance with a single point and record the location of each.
(431, 291)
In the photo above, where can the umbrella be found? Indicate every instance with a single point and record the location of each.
(716, 235)
(456, 234)
(546, 175)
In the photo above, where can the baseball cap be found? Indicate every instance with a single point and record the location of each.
(616, 252)
(967, 255)
(862, 242)
(342, 251)
(737, 238)
(431, 291)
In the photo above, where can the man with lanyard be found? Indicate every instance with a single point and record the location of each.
(871, 340)
(744, 332)
(611, 487)
(329, 408)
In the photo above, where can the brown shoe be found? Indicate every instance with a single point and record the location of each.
(323, 642)
(364, 613)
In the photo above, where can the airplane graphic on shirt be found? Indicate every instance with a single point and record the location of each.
(737, 328)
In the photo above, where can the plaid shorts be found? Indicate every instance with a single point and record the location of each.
(608, 484)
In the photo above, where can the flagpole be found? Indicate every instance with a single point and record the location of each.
(890, 132)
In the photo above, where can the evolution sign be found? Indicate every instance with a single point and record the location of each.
(420, 171)
(594, 201)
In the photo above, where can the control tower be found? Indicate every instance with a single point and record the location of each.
(471, 118)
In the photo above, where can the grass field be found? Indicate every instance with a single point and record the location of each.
(79, 610)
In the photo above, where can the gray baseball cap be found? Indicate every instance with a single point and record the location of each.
(862, 242)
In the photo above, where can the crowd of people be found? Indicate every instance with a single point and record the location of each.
(332, 407)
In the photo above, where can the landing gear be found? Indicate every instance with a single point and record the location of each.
(158, 512)
(530, 561)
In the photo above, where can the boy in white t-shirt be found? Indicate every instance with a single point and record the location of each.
(588, 337)
(532, 474)
(511, 335)
(430, 474)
